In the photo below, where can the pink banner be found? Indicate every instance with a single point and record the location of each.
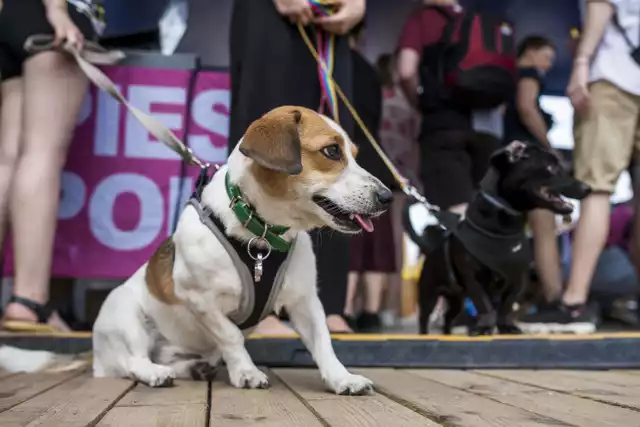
(121, 186)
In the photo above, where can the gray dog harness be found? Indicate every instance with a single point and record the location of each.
(259, 293)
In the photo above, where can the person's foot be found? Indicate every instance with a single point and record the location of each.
(338, 325)
(558, 318)
(369, 323)
(271, 325)
(351, 321)
(16, 312)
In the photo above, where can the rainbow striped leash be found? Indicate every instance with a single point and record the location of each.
(326, 44)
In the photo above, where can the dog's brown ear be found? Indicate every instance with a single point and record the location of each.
(273, 142)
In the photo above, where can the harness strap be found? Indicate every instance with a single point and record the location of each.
(257, 301)
(247, 299)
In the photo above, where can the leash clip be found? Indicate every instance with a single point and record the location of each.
(259, 257)
(412, 191)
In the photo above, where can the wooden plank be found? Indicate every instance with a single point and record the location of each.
(183, 392)
(20, 387)
(277, 407)
(563, 407)
(620, 378)
(188, 415)
(78, 402)
(5, 374)
(608, 387)
(450, 406)
(184, 404)
(338, 411)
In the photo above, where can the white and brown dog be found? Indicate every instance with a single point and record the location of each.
(174, 317)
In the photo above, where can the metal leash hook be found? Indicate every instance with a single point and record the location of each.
(259, 258)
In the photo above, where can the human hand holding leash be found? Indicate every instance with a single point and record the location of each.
(64, 29)
(298, 11)
(349, 13)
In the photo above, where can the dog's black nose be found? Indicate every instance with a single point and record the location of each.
(384, 195)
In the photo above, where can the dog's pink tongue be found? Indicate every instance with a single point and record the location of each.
(366, 224)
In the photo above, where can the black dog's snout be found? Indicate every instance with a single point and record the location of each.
(571, 188)
(384, 195)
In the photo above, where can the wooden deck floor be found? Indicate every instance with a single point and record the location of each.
(410, 398)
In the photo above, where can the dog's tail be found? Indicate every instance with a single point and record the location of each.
(13, 359)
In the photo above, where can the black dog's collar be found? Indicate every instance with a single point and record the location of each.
(500, 204)
(488, 189)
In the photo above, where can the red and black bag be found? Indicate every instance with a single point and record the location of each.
(478, 64)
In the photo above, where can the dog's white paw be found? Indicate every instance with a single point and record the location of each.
(249, 378)
(352, 385)
(156, 375)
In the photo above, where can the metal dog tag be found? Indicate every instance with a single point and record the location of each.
(257, 268)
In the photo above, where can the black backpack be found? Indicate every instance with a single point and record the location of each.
(478, 59)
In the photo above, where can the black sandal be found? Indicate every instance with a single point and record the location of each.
(42, 311)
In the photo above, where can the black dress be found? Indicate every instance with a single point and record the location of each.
(271, 66)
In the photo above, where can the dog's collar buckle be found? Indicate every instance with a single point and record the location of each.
(234, 201)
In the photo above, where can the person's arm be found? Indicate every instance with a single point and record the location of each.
(598, 16)
(408, 59)
(527, 106)
(55, 5)
(407, 68)
(64, 28)
(422, 30)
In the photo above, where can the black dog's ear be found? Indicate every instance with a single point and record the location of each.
(515, 150)
(512, 153)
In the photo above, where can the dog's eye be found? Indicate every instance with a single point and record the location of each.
(332, 152)
(552, 168)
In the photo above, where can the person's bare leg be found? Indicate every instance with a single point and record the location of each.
(54, 88)
(589, 240)
(374, 283)
(546, 254)
(352, 288)
(10, 127)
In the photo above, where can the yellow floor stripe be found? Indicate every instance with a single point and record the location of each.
(383, 337)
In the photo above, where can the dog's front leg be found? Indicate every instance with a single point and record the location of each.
(512, 292)
(308, 317)
(243, 373)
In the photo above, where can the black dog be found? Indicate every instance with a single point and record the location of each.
(486, 256)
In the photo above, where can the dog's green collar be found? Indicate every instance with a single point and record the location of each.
(247, 215)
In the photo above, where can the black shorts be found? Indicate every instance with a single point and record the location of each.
(20, 19)
(453, 164)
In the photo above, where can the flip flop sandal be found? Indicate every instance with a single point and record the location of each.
(42, 311)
